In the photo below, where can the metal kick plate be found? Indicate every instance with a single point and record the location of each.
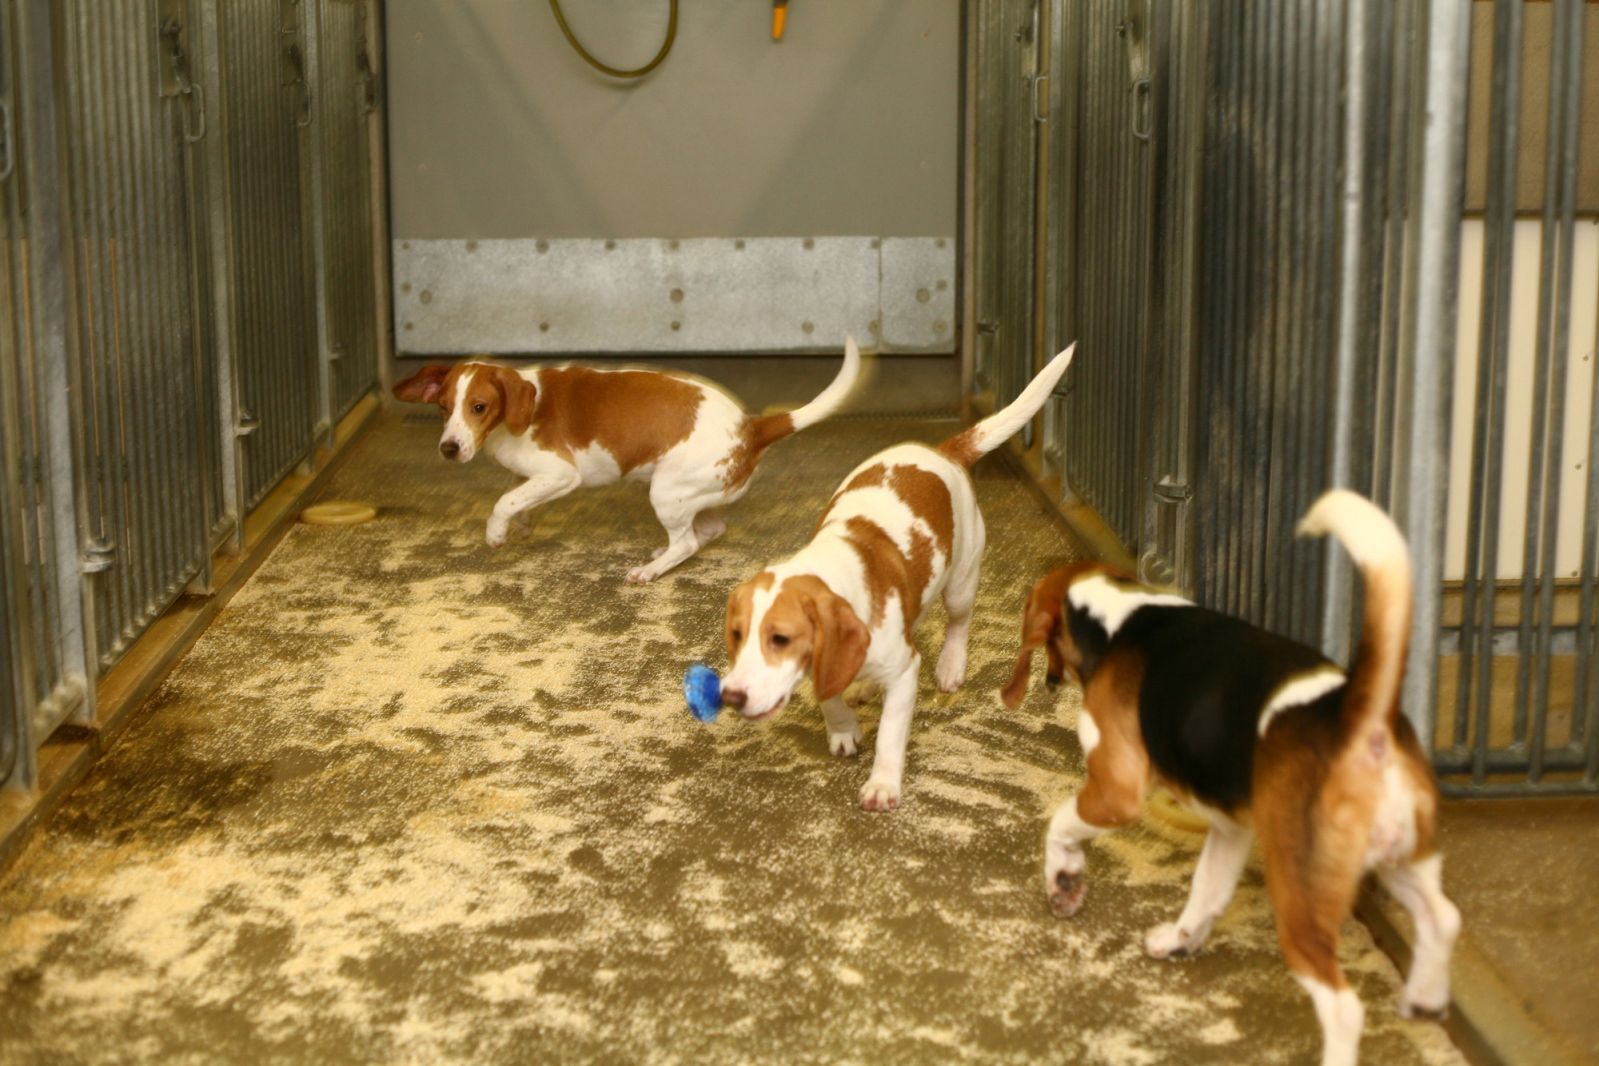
(703, 294)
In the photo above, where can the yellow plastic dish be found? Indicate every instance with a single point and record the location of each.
(338, 513)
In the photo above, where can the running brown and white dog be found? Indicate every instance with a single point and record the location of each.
(902, 531)
(566, 427)
(1268, 738)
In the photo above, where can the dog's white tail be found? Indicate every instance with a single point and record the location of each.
(972, 444)
(1383, 559)
(767, 429)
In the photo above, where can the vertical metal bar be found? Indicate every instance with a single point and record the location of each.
(1434, 266)
(214, 70)
(315, 169)
(48, 270)
(1565, 96)
(1585, 686)
(1482, 532)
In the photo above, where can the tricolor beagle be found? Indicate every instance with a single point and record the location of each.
(1268, 738)
(565, 427)
(903, 530)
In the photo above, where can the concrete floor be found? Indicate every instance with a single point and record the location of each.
(414, 799)
(1525, 874)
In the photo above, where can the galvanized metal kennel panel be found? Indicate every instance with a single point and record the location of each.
(1252, 235)
(1008, 98)
(49, 662)
(144, 403)
(347, 94)
(157, 292)
(268, 106)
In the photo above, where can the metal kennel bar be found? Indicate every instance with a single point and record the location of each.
(1523, 713)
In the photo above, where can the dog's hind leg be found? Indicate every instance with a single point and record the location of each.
(1312, 892)
(960, 593)
(1417, 886)
(1221, 863)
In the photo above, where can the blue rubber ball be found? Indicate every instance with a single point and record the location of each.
(703, 690)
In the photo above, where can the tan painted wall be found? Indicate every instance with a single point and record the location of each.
(1537, 32)
(850, 125)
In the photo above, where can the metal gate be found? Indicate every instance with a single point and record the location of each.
(348, 93)
(1521, 687)
(1009, 99)
(158, 298)
(38, 543)
(260, 205)
(1251, 234)
(145, 402)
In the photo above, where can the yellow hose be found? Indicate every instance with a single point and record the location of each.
(577, 46)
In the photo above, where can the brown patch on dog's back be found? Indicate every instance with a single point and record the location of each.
(636, 415)
(927, 495)
(871, 477)
(889, 570)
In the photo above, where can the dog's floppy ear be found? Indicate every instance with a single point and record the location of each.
(740, 604)
(839, 645)
(517, 394)
(425, 386)
(1039, 622)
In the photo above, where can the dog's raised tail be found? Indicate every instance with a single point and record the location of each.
(766, 429)
(970, 445)
(1383, 559)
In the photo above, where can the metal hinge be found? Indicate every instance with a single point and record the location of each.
(175, 79)
(1170, 490)
(98, 555)
(369, 81)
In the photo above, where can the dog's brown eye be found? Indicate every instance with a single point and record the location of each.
(479, 408)
(778, 640)
(738, 636)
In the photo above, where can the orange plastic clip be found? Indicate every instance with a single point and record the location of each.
(779, 18)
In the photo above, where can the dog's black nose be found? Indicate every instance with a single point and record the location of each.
(734, 698)
(449, 449)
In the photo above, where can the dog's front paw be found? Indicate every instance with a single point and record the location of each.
(1424, 1000)
(498, 528)
(1065, 883)
(880, 794)
(641, 575)
(951, 670)
(843, 744)
(1171, 941)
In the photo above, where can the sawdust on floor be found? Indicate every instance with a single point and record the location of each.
(415, 799)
